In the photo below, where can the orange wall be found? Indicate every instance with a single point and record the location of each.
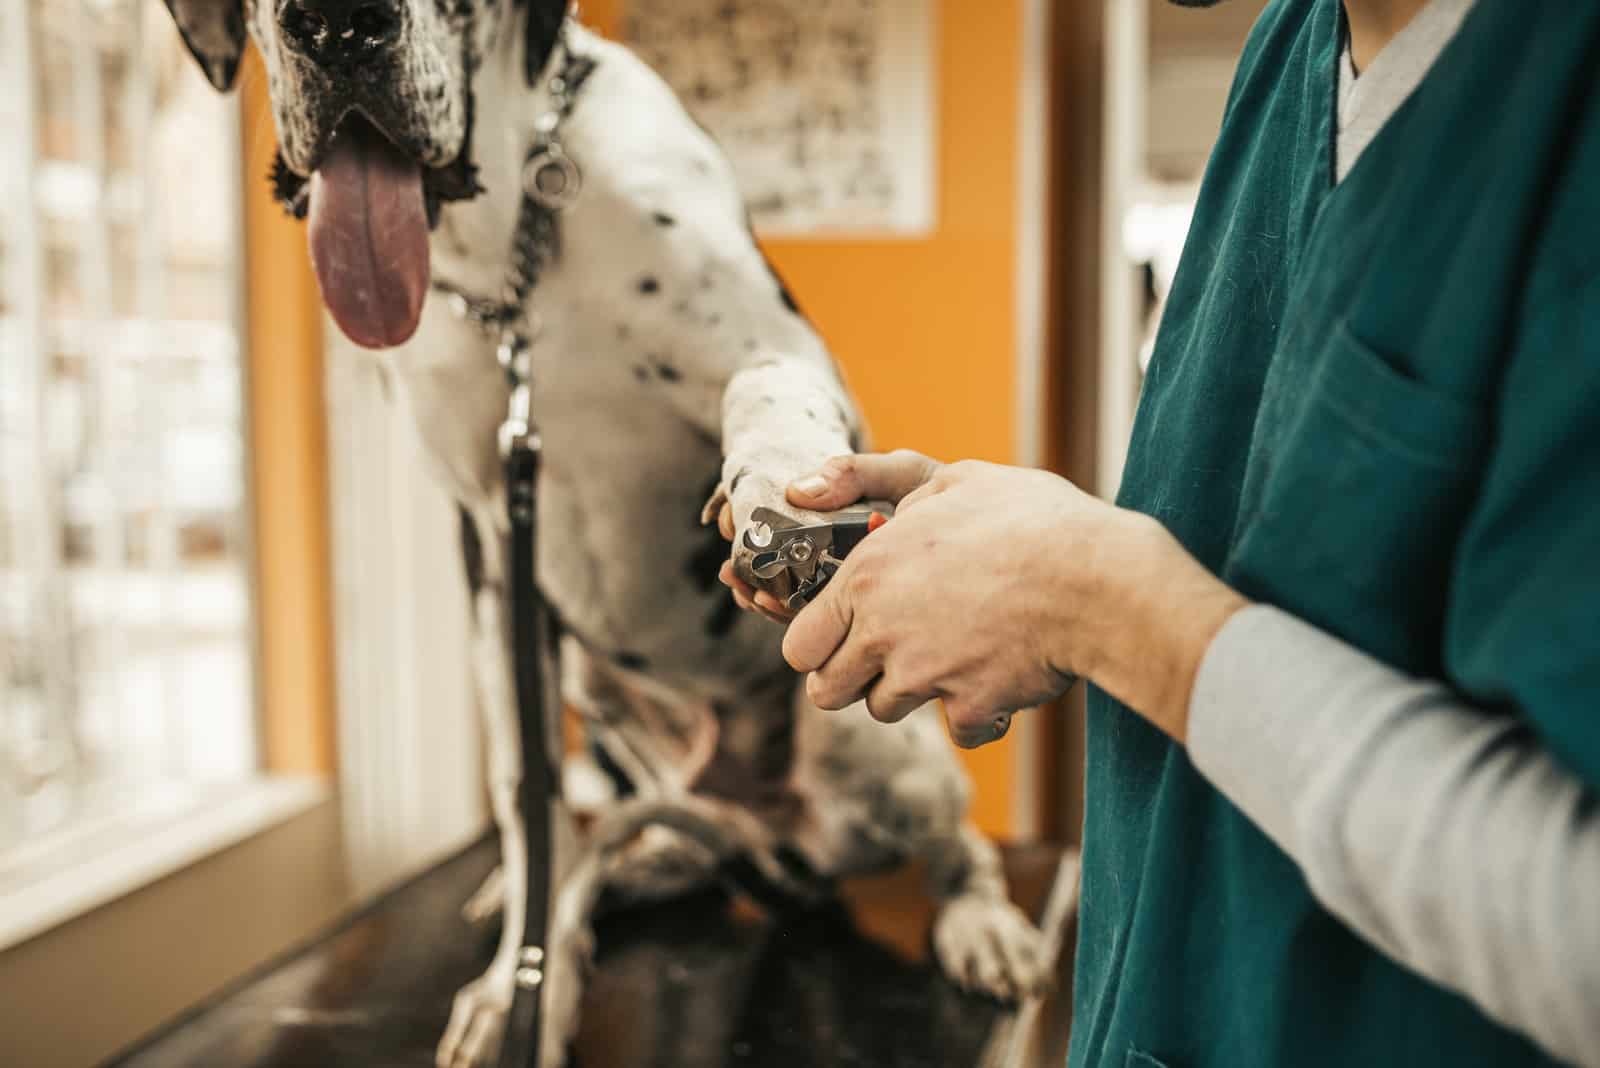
(289, 464)
(926, 329)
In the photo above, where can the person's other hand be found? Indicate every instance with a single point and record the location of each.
(973, 593)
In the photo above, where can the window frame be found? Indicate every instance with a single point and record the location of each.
(268, 850)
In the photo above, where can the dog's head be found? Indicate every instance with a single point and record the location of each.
(373, 103)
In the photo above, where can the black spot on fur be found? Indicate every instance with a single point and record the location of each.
(289, 189)
(632, 662)
(471, 553)
(704, 566)
(783, 287)
(784, 294)
(733, 487)
(811, 414)
(619, 778)
(664, 220)
(668, 373)
(649, 286)
(796, 865)
(836, 765)
(724, 614)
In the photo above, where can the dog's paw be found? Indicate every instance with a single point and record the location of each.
(989, 947)
(477, 1021)
(742, 498)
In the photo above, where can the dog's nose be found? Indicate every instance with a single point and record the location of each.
(340, 31)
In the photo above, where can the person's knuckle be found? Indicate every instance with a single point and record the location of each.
(920, 463)
(862, 581)
(917, 680)
(879, 703)
(964, 739)
(827, 692)
(899, 702)
(963, 713)
(817, 689)
(841, 468)
(797, 646)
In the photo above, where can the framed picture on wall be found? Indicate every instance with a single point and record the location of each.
(826, 109)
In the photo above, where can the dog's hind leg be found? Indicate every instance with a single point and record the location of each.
(478, 1017)
(916, 797)
(982, 940)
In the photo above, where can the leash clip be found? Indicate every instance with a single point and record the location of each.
(516, 433)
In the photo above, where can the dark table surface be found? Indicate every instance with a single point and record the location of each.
(704, 982)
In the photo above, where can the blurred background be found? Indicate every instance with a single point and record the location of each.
(234, 691)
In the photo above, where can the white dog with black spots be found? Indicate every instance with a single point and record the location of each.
(672, 367)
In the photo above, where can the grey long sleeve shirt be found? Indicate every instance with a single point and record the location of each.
(1447, 837)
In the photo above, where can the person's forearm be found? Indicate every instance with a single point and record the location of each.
(1449, 838)
(1156, 612)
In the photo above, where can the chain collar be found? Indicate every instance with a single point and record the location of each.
(551, 182)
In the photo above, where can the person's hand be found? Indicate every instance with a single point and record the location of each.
(838, 485)
(962, 596)
(993, 588)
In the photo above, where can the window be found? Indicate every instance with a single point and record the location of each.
(126, 612)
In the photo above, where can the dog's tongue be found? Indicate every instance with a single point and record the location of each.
(369, 238)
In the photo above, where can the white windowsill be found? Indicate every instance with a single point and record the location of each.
(70, 874)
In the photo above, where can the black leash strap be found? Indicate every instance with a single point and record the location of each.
(541, 783)
(551, 182)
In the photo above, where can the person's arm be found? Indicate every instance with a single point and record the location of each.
(1454, 841)
(1446, 836)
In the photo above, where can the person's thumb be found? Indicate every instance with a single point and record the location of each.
(845, 480)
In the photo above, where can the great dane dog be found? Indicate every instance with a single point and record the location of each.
(671, 366)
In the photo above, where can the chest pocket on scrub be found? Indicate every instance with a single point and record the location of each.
(1371, 475)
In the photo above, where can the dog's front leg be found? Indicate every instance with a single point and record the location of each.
(781, 420)
(478, 1017)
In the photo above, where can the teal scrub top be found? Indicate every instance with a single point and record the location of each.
(1376, 406)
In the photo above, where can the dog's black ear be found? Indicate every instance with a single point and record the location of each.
(544, 27)
(214, 32)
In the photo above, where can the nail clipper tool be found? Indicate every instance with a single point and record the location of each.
(795, 561)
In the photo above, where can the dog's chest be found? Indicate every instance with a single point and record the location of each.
(630, 456)
(612, 397)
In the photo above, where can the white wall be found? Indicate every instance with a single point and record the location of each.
(409, 758)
